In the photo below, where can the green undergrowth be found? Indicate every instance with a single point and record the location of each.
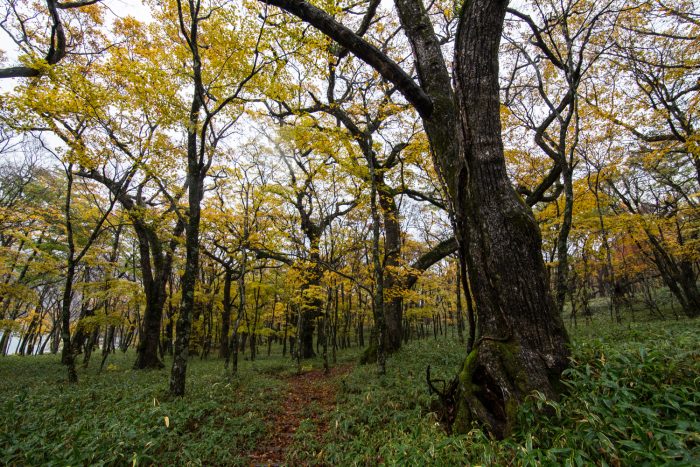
(633, 399)
(121, 416)
(118, 417)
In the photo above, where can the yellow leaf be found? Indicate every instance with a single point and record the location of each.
(167, 421)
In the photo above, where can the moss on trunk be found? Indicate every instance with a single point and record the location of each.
(494, 381)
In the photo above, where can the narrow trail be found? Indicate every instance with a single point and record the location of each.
(310, 396)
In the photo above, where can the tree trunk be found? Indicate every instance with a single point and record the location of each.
(183, 327)
(312, 302)
(563, 237)
(226, 317)
(286, 325)
(107, 345)
(521, 341)
(678, 276)
(458, 305)
(149, 334)
(90, 345)
(393, 306)
(307, 336)
(361, 331)
(67, 356)
(154, 284)
(241, 312)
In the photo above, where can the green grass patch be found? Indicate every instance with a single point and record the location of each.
(119, 416)
(633, 399)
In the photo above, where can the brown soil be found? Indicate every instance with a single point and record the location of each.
(312, 390)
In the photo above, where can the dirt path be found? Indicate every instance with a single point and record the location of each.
(308, 396)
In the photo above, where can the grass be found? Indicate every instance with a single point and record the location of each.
(119, 416)
(633, 399)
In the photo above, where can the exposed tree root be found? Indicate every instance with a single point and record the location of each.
(494, 381)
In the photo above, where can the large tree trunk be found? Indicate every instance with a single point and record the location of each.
(521, 341)
(149, 333)
(155, 280)
(688, 282)
(307, 334)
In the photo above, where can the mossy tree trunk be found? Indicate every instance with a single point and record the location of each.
(521, 342)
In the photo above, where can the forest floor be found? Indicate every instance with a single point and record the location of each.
(632, 398)
(309, 397)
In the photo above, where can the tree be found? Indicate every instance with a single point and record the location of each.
(315, 216)
(213, 96)
(39, 52)
(563, 44)
(522, 343)
(72, 259)
(650, 92)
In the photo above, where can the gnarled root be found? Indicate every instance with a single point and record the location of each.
(446, 405)
(494, 381)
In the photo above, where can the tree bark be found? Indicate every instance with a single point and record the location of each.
(458, 304)
(562, 274)
(521, 341)
(154, 289)
(312, 303)
(241, 311)
(378, 298)
(196, 172)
